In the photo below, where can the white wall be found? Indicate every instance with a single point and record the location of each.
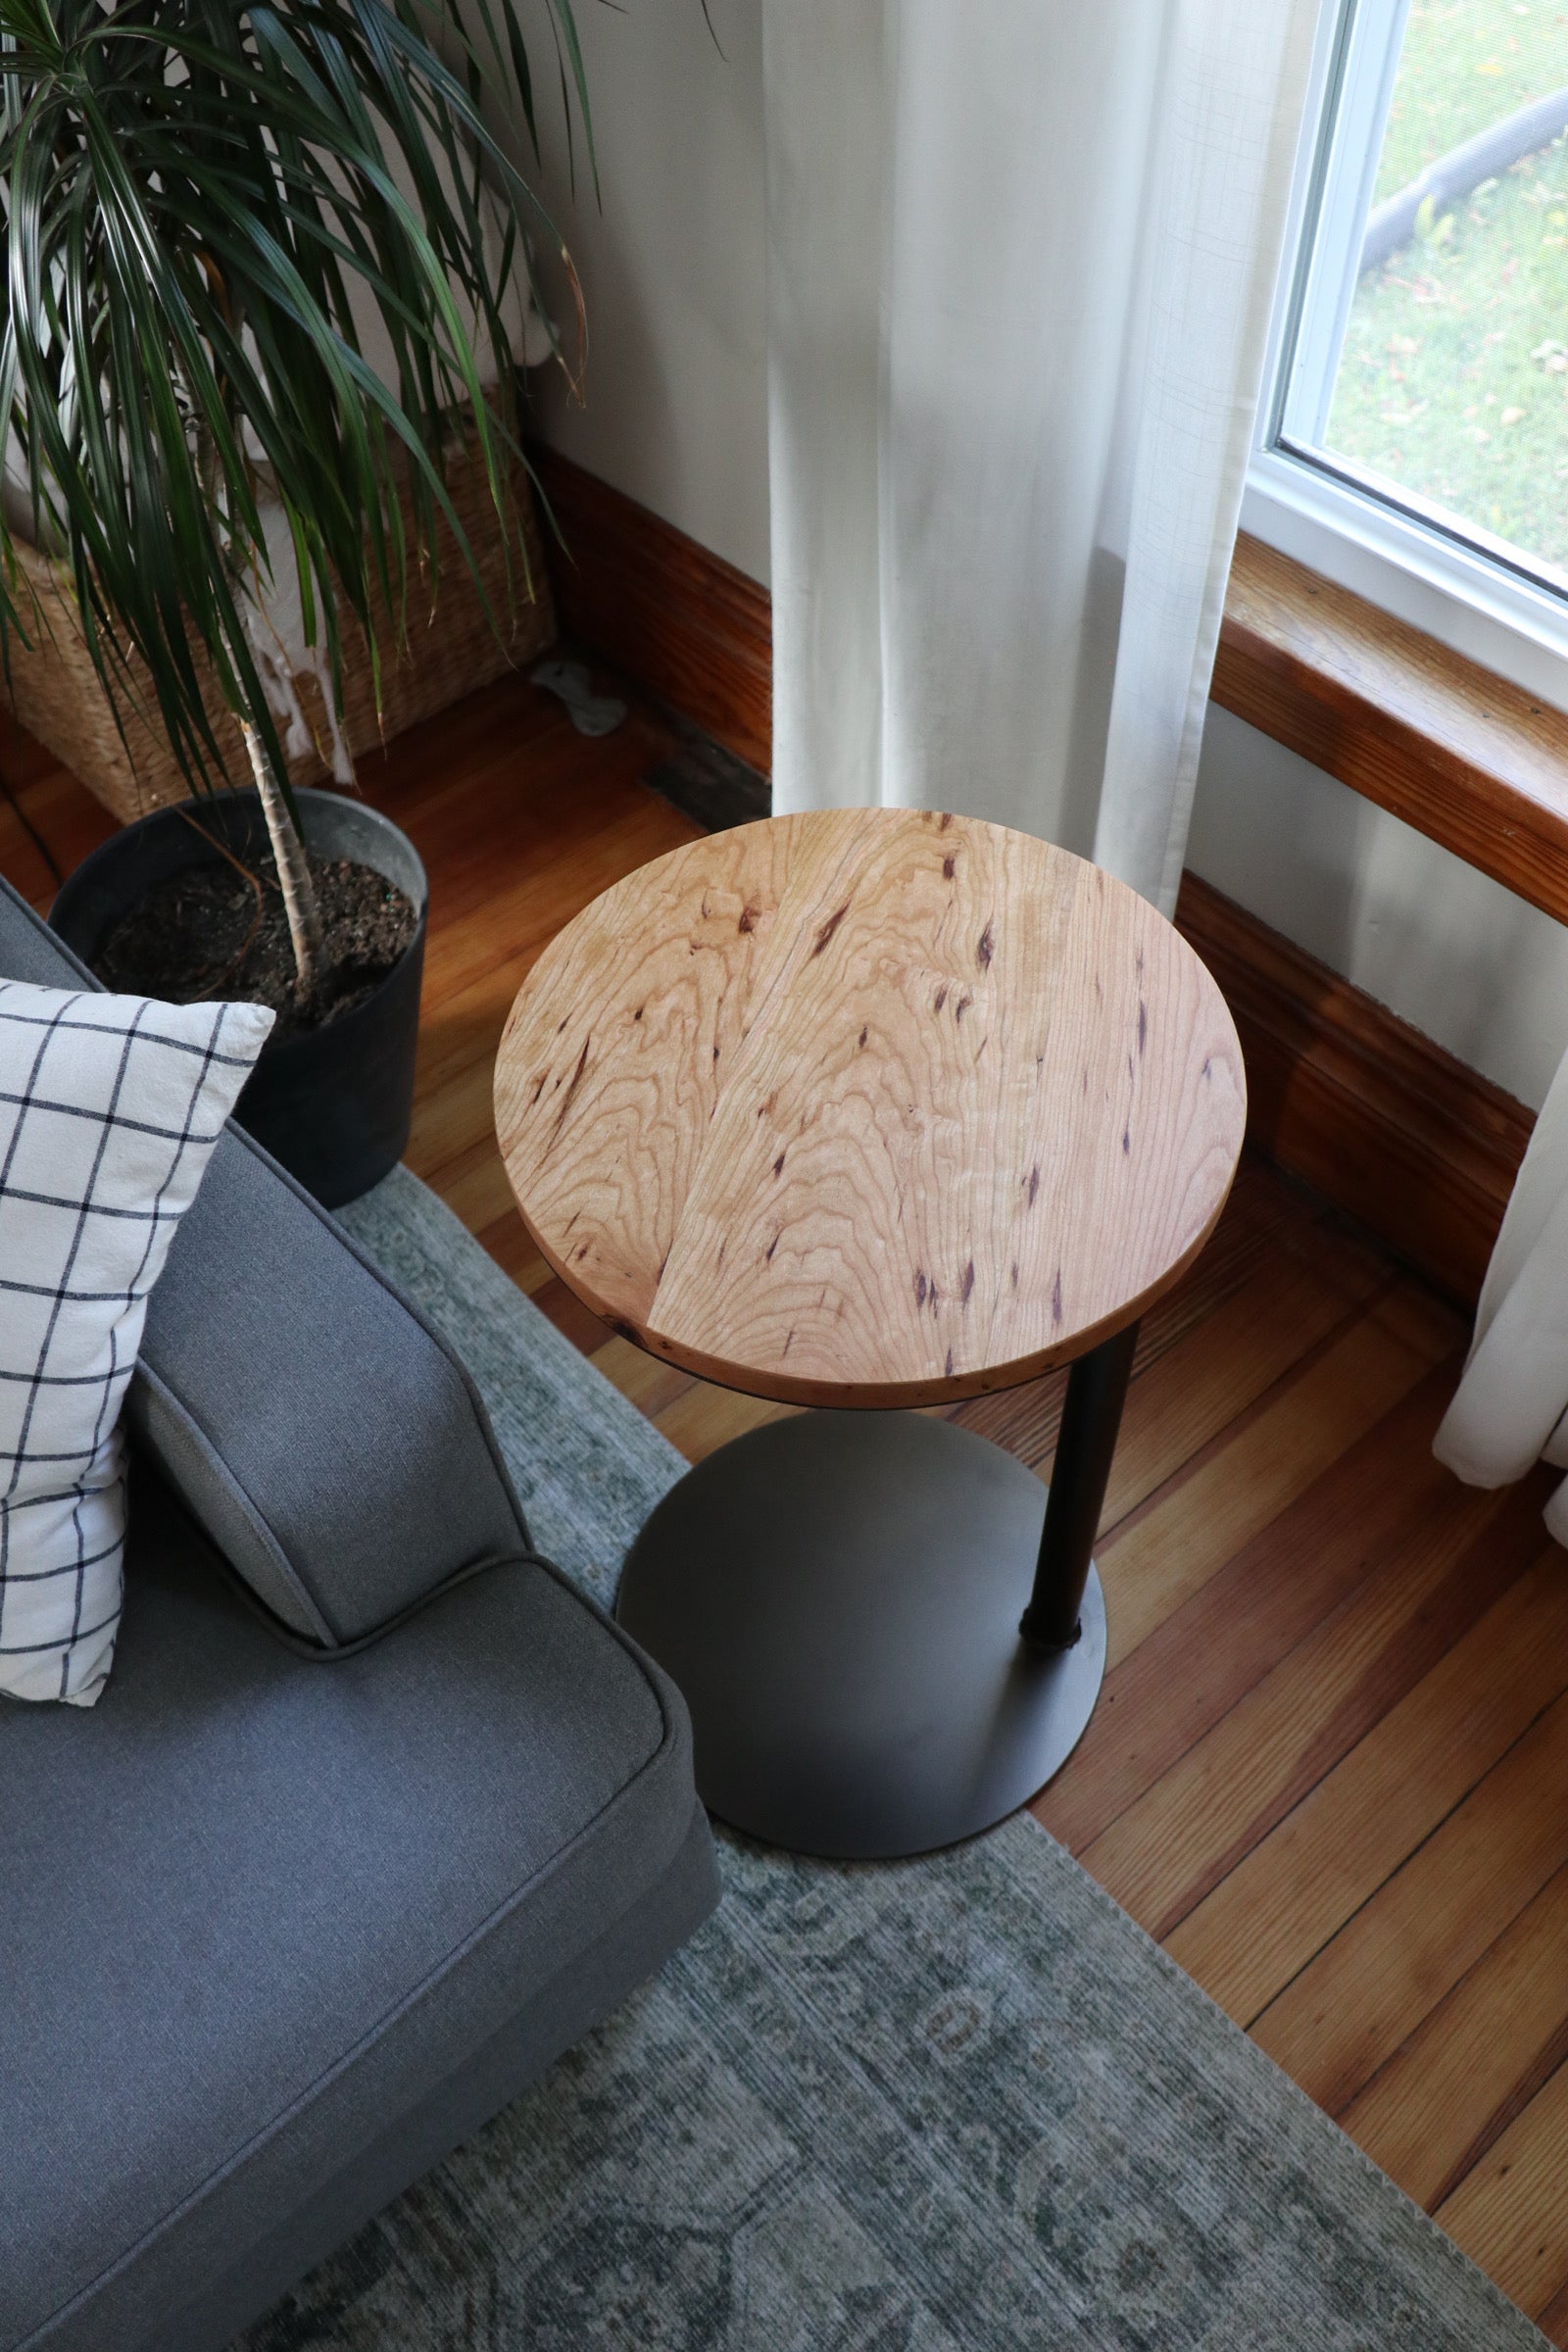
(674, 270)
(1453, 952)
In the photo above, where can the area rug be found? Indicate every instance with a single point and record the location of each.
(940, 2106)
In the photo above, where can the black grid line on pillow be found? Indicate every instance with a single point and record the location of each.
(110, 1107)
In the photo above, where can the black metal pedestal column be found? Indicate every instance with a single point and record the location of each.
(1096, 1389)
(839, 1598)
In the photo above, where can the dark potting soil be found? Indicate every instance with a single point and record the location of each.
(211, 931)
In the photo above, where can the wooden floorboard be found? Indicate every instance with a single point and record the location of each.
(1204, 1817)
(1477, 2060)
(1330, 1763)
(1363, 1804)
(1431, 1919)
(1228, 1634)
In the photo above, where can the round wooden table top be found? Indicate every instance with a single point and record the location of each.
(869, 1107)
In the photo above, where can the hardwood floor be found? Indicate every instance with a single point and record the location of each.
(1329, 1769)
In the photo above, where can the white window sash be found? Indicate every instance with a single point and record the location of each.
(1470, 592)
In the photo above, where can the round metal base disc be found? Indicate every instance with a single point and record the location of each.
(838, 1598)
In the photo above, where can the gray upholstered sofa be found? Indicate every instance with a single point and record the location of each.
(331, 1872)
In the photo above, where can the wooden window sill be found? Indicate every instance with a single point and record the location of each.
(1461, 754)
(1464, 757)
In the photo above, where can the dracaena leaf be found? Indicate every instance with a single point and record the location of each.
(190, 194)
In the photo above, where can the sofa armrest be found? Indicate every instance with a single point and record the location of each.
(323, 1435)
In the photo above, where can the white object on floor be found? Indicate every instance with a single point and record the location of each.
(1021, 256)
(110, 1107)
(589, 712)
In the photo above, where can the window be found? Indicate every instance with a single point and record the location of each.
(1413, 440)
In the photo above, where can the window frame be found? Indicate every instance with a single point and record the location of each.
(1471, 594)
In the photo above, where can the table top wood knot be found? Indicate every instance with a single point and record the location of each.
(869, 1107)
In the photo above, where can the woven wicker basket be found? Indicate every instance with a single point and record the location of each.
(451, 650)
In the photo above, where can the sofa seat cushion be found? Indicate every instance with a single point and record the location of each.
(257, 1905)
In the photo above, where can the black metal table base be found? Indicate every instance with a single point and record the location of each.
(839, 1596)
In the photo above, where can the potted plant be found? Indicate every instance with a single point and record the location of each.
(207, 204)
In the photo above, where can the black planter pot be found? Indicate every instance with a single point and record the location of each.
(334, 1105)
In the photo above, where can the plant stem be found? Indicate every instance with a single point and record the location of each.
(293, 873)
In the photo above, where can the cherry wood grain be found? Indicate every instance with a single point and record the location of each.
(1261, 1223)
(869, 1107)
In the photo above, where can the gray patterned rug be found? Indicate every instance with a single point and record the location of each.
(944, 2106)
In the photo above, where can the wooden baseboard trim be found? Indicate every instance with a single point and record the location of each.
(674, 617)
(1341, 1093)
(1393, 1129)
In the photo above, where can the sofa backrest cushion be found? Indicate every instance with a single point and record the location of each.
(324, 1437)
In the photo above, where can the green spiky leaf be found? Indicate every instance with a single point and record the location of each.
(192, 190)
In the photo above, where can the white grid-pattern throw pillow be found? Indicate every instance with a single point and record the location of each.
(109, 1110)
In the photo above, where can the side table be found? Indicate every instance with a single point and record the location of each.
(874, 1108)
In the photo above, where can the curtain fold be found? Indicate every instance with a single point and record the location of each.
(1511, 1406)
(1021, 256)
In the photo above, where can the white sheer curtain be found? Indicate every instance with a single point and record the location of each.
(1021, 259)
(1511, 1408)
